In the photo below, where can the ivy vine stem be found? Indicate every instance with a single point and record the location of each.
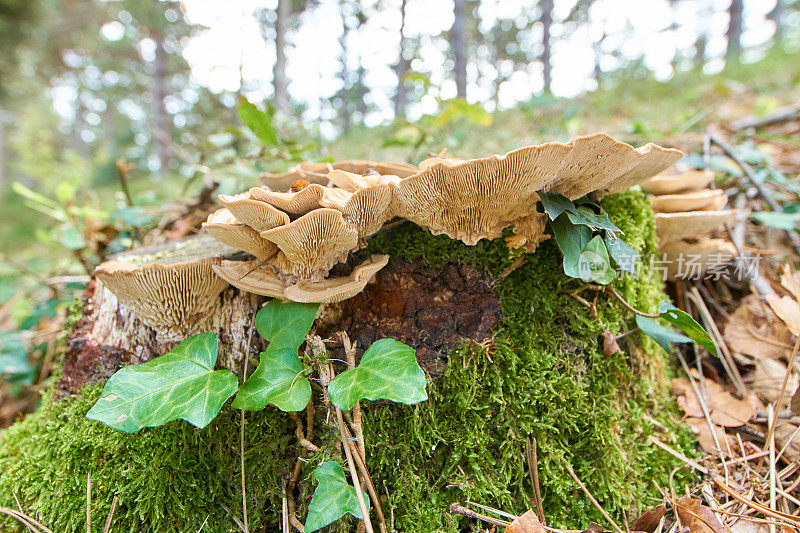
(353, 472)
(619, 297)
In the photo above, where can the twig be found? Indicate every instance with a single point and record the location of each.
(784, 114)
(368, 479)
(350, 353)
(679, 455)
(533, 471)
(755, 506)
(455, 508)
(89, 502)
(783, 389)
(755, 181)
(771, 444)
(296, 524)
(110, 515)
(123, 168)
(241, 431)
(26, 520)
(353, 472)
(591, 498)
(284, 511)
(301, 438)
(613, 291)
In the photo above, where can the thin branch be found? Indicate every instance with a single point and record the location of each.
(533, 470)
(613, 291)
(353, 472)
(241, 432)
(110, 515)
(368, 479)
(591, 498)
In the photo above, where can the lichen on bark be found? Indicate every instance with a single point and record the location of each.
(542, 373)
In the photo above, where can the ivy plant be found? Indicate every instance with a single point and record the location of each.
(180, 384)
(333, 498)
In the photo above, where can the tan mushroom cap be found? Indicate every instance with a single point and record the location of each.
(705, 200)
(529, 232)
(693, 180)
(352, 182)
(224, 227)
(313, 243)
(476, 199)
(317, 172)
(259, 215)
(265, 281)
(173, 298)
(673, 227)
(303, 201)
(691, 260)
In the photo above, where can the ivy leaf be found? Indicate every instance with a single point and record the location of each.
(688, 325)
(623, 255)
(180, 384)
(258, 121)
(594, 263)
(278, 380)
(779, 220)
(662, 335)
(571, 240)
(587, 217)
(333, 498)
(285, 324)
(554, 204)
(388, 370)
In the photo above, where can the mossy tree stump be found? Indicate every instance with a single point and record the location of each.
(510, 356)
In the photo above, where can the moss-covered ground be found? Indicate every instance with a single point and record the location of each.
(544, 376)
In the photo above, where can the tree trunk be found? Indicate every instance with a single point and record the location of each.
(700, 50)
(401, 68)
(734, 33)
(547, 24)
(279, 82)
(158, 112)
(344, 74)
(2, 150)
(776, 16)
(457, 43)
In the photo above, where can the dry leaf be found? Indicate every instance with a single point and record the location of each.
(594, 527)
(748, 526)
(785, 434)
(610, 346)
(768, 378)
(725, 409)
(526, 523)
(790, 281)
(650, 519)
(697, 517)
(755, 330)
(702, 432)
(788, 311)
(794, 405)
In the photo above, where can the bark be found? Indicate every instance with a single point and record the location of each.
(158, 112)
(547, 24)
(457, 43)
(734, 33)
(279, 82)
(401, 68)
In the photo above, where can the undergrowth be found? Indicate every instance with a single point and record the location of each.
(544, 375)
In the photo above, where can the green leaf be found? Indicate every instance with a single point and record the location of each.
(285, 324)
(14, 359)
(594, 263)
(258, 121)
(554, 204)
(388, 370)
(623, 255)
(777, 219)
(278, 380)
(333, 498)
(688, 325)
(571, 240)
(662, 335)
(180, 384)
(587, 217)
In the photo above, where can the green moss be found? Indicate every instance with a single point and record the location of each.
(174, 478)
(544, 376)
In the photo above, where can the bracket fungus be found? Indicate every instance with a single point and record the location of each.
(692, 180)
(704, 200)
(319, 172)
(673, 227)
(224, 227)
(174, 299)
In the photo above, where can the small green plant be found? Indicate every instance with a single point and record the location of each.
(183, 384)
(588, 240)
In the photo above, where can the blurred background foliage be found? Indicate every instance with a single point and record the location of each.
(106, 127)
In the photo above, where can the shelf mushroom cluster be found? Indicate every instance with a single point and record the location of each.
(687, 213)
(298, 225)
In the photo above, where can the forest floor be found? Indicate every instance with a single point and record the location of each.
(742, 407)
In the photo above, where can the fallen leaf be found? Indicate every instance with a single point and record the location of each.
(790, 281)
(755, 330)
(768, 378)
(594, 527)
(725, 409)
(650, 519)
(697, 517)
(704, 437)
(787, 309)
(794, 405)
(526, 523)
(784, 434)
(748, 526)
(610, 346)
